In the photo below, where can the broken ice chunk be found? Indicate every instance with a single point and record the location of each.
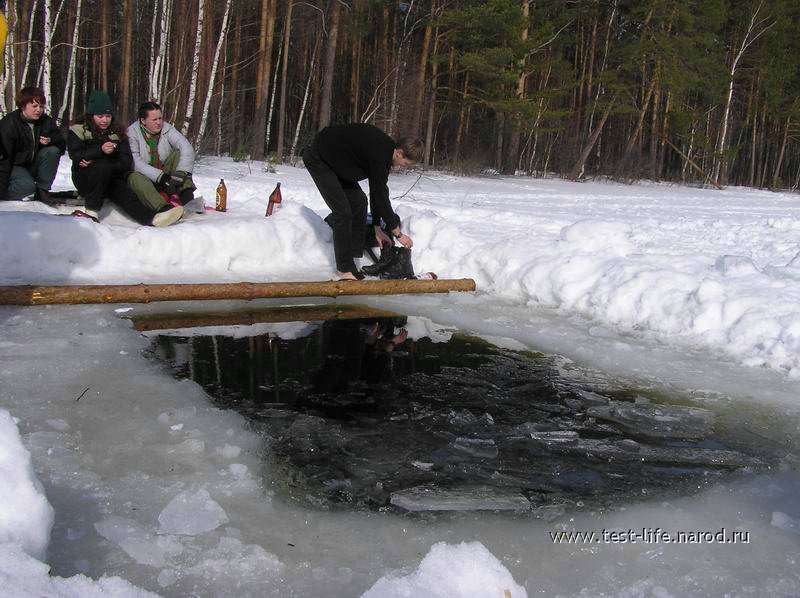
(555, 438)
(191, 513)
(477, 447)
(656, 421)
(479, 498)
(138, 542)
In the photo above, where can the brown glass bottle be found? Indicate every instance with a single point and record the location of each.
(222, 196)
(274, 198)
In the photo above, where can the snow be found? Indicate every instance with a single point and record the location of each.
(717, 269)
(466, 570)
(140, 485)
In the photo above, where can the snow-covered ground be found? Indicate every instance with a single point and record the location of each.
(693, 290)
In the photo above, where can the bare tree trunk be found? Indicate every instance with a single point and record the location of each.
(750, 36)
(264, 66)
(105, 26)
(127, 51)
(776, 175)
(272, 101)
(287, 30)
(305, 103)
(510, 164)
(329, 64)
(198, 38)
(153, 46)
(416, 123)
(235, 143)
(157, 66)
(355, 77)
(215, 64)
(69, 86)
(28, 48)
(221, 101)
(46, 58)
(9, 65)
(461, 120)
(578, 168)
(432, 101)
(635, 135)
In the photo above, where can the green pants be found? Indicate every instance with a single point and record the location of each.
(148, 192)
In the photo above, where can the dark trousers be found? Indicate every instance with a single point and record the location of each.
(102, 179)
(24, 180)
(348, 204)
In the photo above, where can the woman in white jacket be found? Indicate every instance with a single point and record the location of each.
(163, 160)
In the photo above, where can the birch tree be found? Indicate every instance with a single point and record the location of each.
(201, 4)
(212, 77)
(30, 40)
(756, 27)
(69, 85)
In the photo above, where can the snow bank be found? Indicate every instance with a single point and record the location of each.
(712, 269)
(466, 570)
(26, 519)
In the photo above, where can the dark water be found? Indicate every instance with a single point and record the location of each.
(356, 415)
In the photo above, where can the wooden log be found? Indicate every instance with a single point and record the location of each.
(144, 293)
(247, 317)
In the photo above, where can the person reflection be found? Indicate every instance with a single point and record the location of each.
(358, 353)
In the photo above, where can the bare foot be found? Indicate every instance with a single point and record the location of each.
(345, 276)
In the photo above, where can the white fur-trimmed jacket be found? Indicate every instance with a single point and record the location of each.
(171, 139)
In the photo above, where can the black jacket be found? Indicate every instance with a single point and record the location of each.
(83, 145)
(360, 151)
(18, 143)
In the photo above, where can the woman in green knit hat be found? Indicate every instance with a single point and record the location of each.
(102, 162)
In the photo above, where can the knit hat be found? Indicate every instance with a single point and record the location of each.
(99, 103)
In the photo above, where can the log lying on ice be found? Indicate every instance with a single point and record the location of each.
(248, 317)
(146, 293)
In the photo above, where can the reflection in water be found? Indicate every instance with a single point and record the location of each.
(359, 414)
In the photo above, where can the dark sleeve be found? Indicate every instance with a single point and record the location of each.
(56, 138)
(124, 155)
(379, 203)
(7, 142)
(79, 150)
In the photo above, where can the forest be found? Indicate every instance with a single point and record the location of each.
(702, 92)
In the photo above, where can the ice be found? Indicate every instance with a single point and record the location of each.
(140, 544)
(191, 513)
(466, 570)
(424, 498)
(230, 451)
(645, 264)
(246, 566)
(656, 421)
(785, 522)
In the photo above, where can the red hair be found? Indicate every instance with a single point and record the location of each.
(26, 95)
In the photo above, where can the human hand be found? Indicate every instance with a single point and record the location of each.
(108, 147)
(383, 238)
(405, 241)
(44, 140)
(400, 337)
(84, 163)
